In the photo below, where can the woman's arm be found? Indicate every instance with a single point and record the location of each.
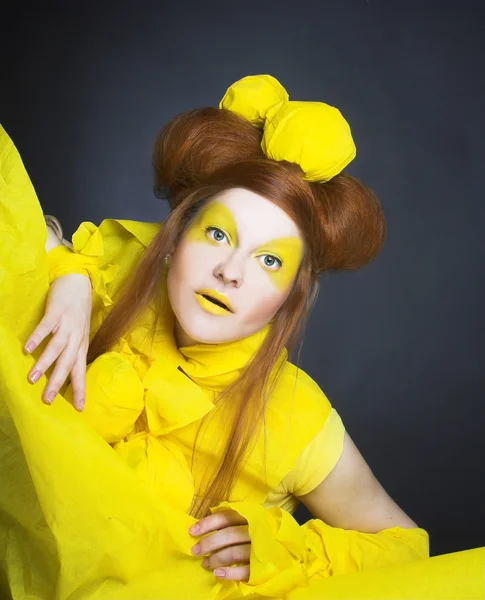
(351, 497)
(357, 526)
(67, 320)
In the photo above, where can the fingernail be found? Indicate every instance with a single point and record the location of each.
(196, 549)
(79, 403)
(205, 562)
(30, 346)
(195, 528)
(34, 376)
(220, 573)
(51, 396)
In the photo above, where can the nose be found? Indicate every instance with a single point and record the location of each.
(230, 271)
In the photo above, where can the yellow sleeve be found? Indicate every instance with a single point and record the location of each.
(285, 555)
(86, 258)
(107, 254)
(318, 458)
(61, 260)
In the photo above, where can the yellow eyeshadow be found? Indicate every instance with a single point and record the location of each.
(214, 214)
(290, 251)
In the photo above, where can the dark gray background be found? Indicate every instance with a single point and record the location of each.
(398, 347)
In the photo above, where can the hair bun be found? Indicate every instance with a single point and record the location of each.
(251, 97)
(314, 135)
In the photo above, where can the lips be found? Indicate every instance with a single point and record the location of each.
(216, 298)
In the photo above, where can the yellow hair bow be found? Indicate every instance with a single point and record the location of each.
(313, 135)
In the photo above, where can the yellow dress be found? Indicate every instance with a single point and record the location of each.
(94, 505)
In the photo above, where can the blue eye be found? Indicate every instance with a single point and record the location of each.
(270, 262)
(217, 235)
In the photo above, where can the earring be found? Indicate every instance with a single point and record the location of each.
(167, 259)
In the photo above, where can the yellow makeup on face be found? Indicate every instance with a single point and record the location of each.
(217, 216)
(289, 251)
(214, 215)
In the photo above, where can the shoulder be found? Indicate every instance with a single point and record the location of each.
(142, 232)
(97, 240)
(303, 391)
(298, 408)
(306, 431)
(117, 247)
(115, 242)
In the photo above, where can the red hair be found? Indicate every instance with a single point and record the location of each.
(201, 153)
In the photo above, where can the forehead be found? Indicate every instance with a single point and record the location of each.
(257, 219)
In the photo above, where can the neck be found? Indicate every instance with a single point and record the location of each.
(182, 338)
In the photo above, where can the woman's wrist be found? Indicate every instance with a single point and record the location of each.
(61, 259)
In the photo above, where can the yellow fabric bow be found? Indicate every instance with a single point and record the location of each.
(313, 135)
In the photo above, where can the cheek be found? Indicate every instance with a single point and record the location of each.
(191, 268)
(266, 309)
(183, 267)
(189, 262)
(283, 279)
(264, 299)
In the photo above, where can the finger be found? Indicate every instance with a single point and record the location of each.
(233, 555)
(233, 573)
(62, 369)
(229, 536)
(42, 330)
(53, 349)
(78, 381)
(217, 521)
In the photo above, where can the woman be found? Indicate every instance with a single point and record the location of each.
(194, 418)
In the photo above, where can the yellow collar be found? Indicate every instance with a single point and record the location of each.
(215, 366)
(212, 366)
(182, 383)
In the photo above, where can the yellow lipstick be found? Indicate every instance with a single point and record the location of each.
(204, 299)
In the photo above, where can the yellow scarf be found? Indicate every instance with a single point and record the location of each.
(211, 366)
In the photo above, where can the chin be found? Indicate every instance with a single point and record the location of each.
(209, 331)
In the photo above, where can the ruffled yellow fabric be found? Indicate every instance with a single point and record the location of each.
(112, 376)
(83, 260)
(460, 575)
(62, 260)
(313, 135)
(81, 519)
(22, 235)
(285, 555)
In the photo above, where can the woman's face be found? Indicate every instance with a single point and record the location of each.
(233, 268)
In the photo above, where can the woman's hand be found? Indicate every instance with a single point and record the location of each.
(228, 545)
(67, 318)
